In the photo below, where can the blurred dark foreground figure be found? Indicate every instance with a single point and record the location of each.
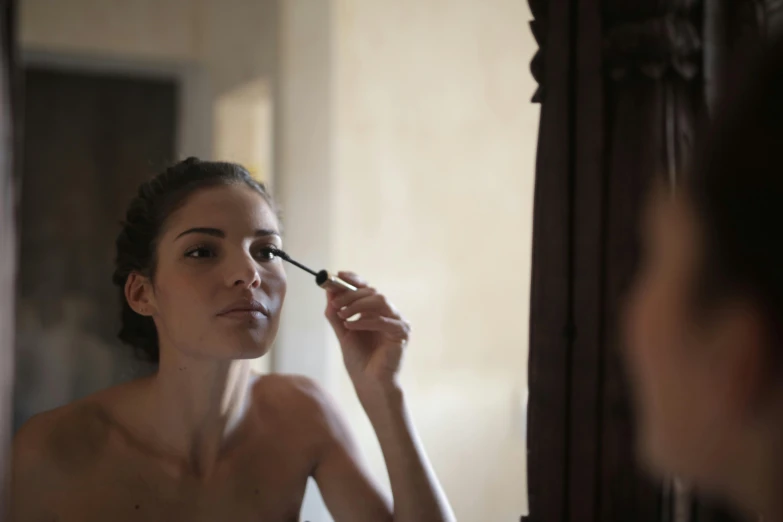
(705, 322)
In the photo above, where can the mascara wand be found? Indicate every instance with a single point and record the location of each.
(323, 278)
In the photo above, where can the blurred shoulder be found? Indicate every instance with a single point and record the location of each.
(63, 440)
(291, 391)
(301, 399)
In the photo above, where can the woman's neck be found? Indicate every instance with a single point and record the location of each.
(196, 405)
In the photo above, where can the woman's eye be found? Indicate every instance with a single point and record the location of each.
(267, 254)
(200, 252)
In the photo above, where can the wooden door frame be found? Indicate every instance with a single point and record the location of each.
(194, 111)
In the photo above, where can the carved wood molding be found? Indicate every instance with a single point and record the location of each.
(751, 16)
(653, 48)
(538, 28)
(749, 20)
(773, 14)
(760, 17)
(731, 28)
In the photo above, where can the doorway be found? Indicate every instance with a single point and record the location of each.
(89, 140)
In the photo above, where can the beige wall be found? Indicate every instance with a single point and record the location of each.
(234, 39)
(418, 174)
(224, 52)
(304, 133)
(113, 27)
(435, 147)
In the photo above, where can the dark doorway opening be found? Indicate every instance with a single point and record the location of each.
(89, 140)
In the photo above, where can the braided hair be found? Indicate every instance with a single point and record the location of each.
(136, 244)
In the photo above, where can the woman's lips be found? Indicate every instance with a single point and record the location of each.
(244, 314)
(245, 308)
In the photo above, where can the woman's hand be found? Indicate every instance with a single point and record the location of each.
(372, 348)
(373, 343)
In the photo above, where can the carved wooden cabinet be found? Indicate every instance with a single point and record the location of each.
(624, 84)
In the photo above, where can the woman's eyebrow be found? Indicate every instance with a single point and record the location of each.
(216, 232)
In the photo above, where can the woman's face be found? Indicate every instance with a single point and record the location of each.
(692, 367)
(216, 292)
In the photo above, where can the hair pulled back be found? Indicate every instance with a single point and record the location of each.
(136, 244)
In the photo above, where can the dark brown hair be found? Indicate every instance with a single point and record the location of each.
(736, 186)
(136, 244)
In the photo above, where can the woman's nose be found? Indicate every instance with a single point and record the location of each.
(244, 272)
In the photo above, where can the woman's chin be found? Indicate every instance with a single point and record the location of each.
(252, 354)
(231, 350)
(247, 350)
(244, 344)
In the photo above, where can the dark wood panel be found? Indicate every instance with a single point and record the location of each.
(89, 141)
(634, 157)
(588, 272)
(550, 286)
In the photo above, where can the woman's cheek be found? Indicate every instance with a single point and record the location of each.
(277, 286)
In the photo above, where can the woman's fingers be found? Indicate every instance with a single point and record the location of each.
(345, 298)
(375, 312)
(395, 328)
(375, 304)
(337, 322)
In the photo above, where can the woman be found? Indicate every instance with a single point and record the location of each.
(705, 324)
(205, 439)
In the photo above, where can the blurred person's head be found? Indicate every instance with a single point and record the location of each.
(705, 324)
(194, 245)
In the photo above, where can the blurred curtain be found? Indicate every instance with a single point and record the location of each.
(8, 200)
(621, 88)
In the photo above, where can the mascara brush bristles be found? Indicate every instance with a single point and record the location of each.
(288, 258)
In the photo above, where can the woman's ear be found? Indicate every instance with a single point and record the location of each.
(139, 294)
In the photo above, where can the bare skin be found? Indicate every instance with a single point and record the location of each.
(82, 463)
(207, 440)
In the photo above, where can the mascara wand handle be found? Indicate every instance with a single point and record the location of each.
(329, 281)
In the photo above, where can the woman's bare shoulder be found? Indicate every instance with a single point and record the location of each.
(64, 439)
(303, 400)
(54, 447)
(290, 391)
